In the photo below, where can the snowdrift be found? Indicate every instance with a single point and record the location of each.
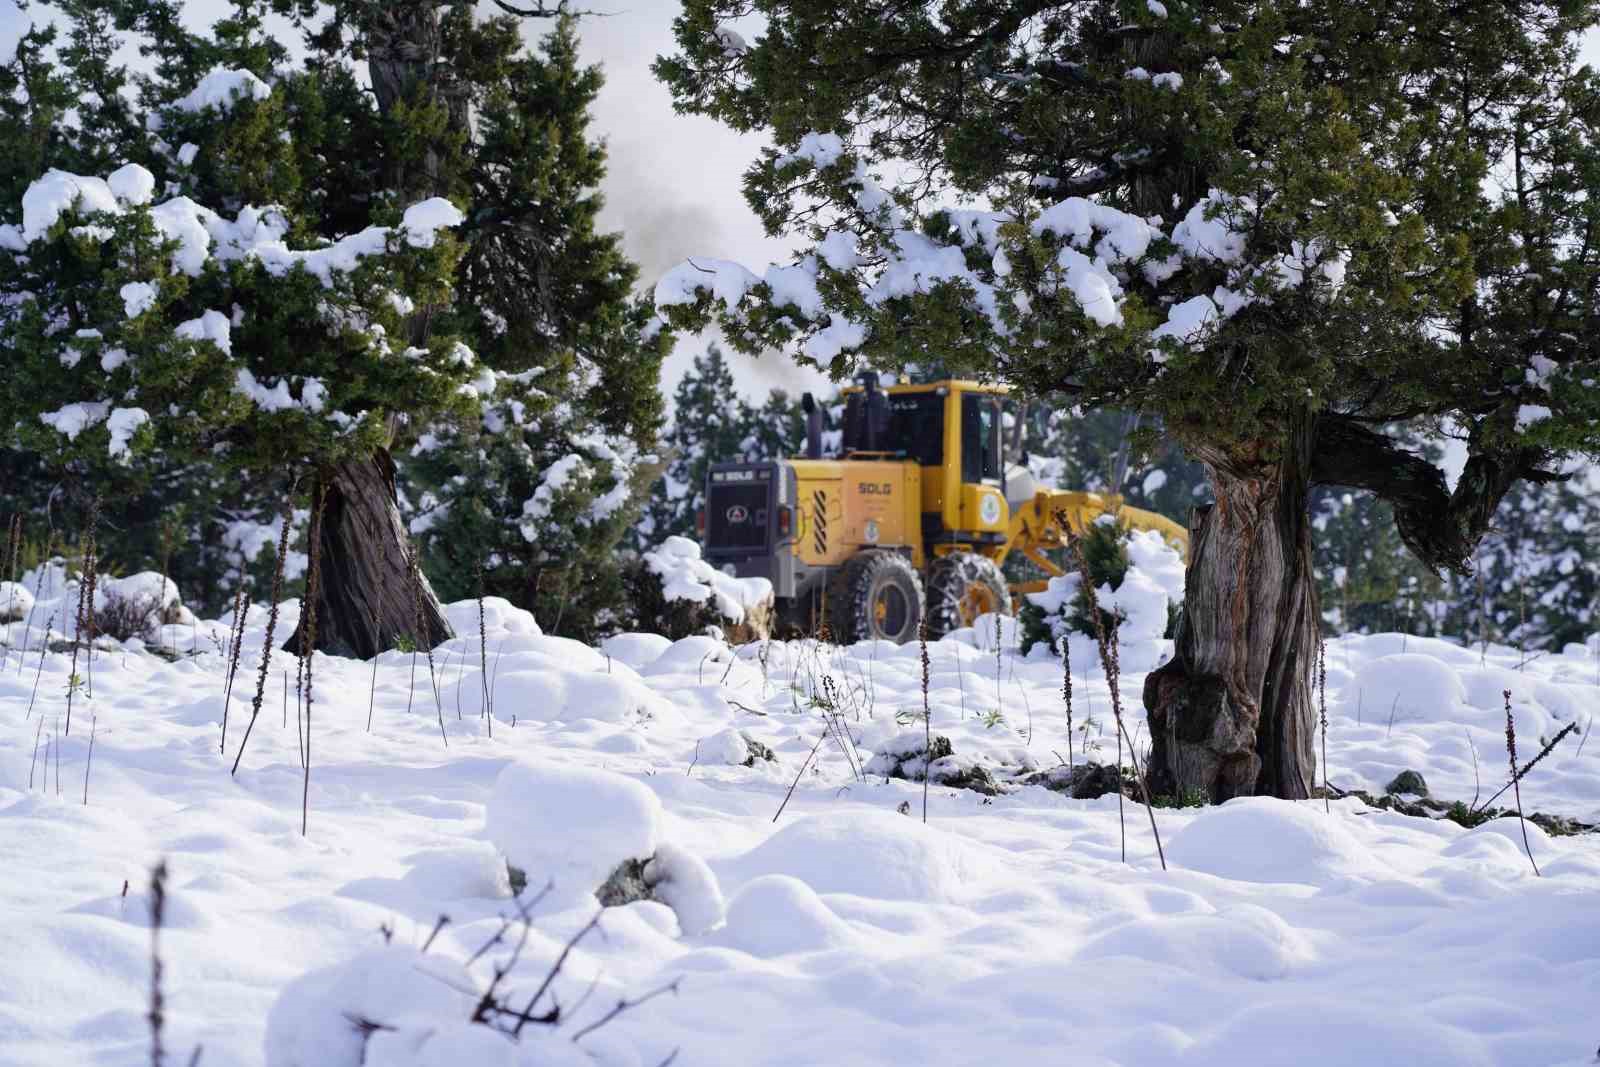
(1004, 925)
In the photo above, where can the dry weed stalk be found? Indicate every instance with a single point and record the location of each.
(927, 720)
(88, 762)
(37, 734)
(308, 639)
(166, 563)
(483, 656)
(1511, 752)
(1110, 660)
(1066, 691)
(377, 653)
(94, 589)
(241, 604)
(1560, 736)
(158, 905)
(44, 647)
(266, 644)
(422, 639)
(79, 622)
(1322, 707)
(9, 571)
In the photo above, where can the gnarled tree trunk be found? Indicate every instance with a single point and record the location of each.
(367, 594)
(1231, 713)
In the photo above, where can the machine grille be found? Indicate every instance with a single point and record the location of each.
(736, 516)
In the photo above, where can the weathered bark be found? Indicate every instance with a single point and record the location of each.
(368, 595)
(365, 598)
(407, 66)
(1231, 713)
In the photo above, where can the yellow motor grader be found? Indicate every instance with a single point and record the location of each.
(913, 518)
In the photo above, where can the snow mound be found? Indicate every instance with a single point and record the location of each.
(571, 825)
(871, 854)
(776, 915)
(1259, 839)
(1343, 1035)
(725, 747)
(685, 576)
(636, 650)
(500, 617)
(315, 1021)
(682, 881)
(473, 871)
(554, 695)
(698, 655)
(1418, 687)
(434, 1044)
(15, 601)
(1248, 941)
(1499, 841)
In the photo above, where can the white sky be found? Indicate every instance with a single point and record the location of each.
(673, 184)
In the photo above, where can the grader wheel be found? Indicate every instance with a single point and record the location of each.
(876, 596)
(961, 587)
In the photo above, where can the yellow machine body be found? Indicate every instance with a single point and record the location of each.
(845, 506)
(936, 489)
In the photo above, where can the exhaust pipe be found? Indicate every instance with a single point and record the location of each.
(808, 404)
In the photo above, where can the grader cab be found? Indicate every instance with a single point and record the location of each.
(913, 519)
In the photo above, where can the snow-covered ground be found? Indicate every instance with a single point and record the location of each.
(1005, 930)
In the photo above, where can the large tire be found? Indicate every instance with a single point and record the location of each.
(962, 586)
(875, 596)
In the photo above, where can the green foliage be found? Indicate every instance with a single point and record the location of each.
(539, 489)
(1239, 220)
(712, 423)
(1105, 552)
(498, 345)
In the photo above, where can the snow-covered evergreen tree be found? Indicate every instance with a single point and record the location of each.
(535, 494)
(273, 274)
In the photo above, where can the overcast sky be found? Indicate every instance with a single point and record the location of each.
(673, 184)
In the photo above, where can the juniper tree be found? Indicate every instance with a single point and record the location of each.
(1273, 228)
(289, 266)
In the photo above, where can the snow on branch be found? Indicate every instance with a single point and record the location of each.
(1095, 251)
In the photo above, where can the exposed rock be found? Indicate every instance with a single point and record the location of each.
(905, 757)
(625, 885)
(758, 751)
(1408, 782)
(1082, 781)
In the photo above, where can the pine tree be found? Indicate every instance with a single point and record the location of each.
(537, 492)
(710, 424)
(1268, 226)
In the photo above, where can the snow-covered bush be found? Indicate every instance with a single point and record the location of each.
(133, 606)
(1139, 589)
(582, 830)
(678, 594)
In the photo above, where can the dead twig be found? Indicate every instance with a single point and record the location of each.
(1511, 752)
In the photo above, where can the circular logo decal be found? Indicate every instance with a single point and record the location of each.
(989, 509)
(738, 513)
(870, 531)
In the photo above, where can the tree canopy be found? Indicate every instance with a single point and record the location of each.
(1235, 216)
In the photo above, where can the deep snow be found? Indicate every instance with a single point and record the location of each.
(1003, 931)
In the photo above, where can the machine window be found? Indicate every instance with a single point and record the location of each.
(916, 426)
(980, 439)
